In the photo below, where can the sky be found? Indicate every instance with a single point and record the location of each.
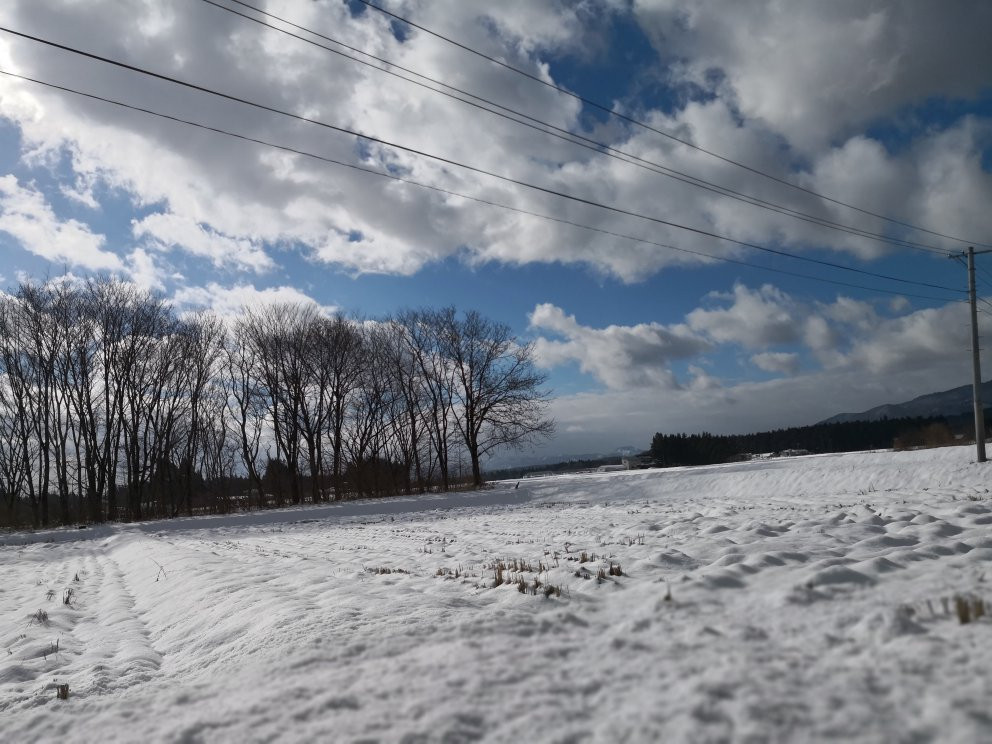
(875, 116)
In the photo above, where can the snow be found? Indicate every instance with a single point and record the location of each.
(810, 600)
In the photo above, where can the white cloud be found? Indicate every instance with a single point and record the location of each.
(820, 70)
(27, 216)
(864, 359)
(898, 304)
(81, 191)
(853, 313)
(166, 231)
(231, 302)
(782, 362)
(923, 340)
(621, 357)
(146, 272)
(233, 203)
(701, 380)
(823, 340)
(635, 415)
(756, 319)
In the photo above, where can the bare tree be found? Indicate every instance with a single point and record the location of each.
(246, 402)
(145, 370)
(273, 335)
(14, 402)
(425, 334)
(370, 411)
(408, 422)
(341, 355)
(200, 347)
(219, 452)
(498, 388)
(12, 474)
(102, 382)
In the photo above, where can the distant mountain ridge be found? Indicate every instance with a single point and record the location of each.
(946, 403)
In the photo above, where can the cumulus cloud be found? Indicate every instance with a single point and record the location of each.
(621, 357)
(756, 318)
(845, 334)
(166, 231)
(923, 340)
(144, 271)
(781, 362)
(702, 380)
(823, 69)
(824, 340)
(26, 216)
(859, 357)
(230, 202)
(898, 304)
(231, 302)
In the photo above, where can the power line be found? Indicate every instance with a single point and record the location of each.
(987, 277)
(630, 120)
(561, 133)
(474, 169)
(438, 189)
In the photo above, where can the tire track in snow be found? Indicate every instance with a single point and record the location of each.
(110, 641)
(215, 611)
(34, 629)
(93, 640)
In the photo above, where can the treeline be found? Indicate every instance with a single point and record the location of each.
(708, 449)
(565, 466)
(113, 406)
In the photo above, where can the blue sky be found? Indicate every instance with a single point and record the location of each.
(868, 102)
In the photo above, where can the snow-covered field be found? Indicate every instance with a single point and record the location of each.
(809, 601)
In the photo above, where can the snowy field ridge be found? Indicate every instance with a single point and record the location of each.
(802, 599)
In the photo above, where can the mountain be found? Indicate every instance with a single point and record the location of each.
(947, 403)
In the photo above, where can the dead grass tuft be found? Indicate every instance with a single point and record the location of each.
(385, 570)
(969, 609)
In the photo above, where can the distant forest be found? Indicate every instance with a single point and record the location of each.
(565, 466)
(669, 450)
(901, 433)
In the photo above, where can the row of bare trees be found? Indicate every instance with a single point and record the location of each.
(113, 406)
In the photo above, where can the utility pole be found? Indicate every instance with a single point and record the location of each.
(976, 364)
